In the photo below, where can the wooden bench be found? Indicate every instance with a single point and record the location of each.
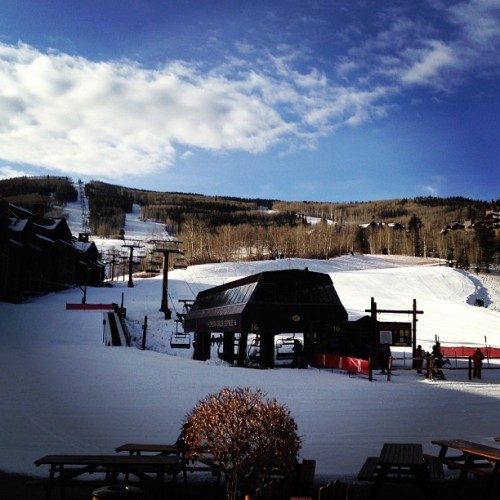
(368, 471)
(401, 463)
(195, 464)
(199, 463)
(475, 458)
(474, 455)
(66, 470)
(479, 470)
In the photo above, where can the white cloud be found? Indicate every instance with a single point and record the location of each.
(65, 113)
(430, 190)
(244, 47)
(479, 19)
(115, 118)
(412, 46)
(429, 63)
(186, 155)
(350, 106)
(434, 185)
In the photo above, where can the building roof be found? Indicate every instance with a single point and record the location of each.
(268, 302)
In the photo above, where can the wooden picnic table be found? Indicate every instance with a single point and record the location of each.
(64, 469)
(475, 458)
(402, 463)
(199, 461)
(157, 448)
(139, 449)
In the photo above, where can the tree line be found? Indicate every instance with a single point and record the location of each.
(39, 193)
(218, 228)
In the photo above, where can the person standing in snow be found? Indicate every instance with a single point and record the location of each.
(383, 357)
(298, 353)
(437, 361)
(419, 359)
(477, 360)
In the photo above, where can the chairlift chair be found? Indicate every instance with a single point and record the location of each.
(254, 349)
(284, 347)
(179, 340)
(180, 263)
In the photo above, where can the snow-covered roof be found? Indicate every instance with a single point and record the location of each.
(17, 224)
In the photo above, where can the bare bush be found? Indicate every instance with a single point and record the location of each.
(246, 435)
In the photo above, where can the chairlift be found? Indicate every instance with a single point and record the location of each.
(179, 340)
(284, 347)
(180, 263)
(254, 349)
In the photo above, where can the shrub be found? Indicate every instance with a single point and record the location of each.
(246, 435)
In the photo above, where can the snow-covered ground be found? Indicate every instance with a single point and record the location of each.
(64, 391)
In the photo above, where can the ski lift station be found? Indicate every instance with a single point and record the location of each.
(260, 318)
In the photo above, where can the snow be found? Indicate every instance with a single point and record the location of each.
(64, 391)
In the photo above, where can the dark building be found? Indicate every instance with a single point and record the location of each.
(265, 305)
(40, 255)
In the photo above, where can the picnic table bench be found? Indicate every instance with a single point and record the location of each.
(200, 461)
(474, 458)
(402, 463)
(65, 469)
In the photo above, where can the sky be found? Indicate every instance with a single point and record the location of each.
(64, 391)
(318, 100)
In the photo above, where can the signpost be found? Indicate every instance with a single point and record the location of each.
(394, 333)
(399, 334)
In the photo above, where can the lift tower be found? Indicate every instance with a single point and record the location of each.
(166, 247)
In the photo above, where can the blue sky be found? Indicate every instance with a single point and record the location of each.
(319, 100)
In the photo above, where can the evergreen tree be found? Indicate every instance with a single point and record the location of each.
(485, 237)
(414, 226)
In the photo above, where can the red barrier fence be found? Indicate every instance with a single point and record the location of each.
(466, 351)
(350, 365)
(83, 307)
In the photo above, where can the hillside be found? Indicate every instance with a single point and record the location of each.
(225, 228)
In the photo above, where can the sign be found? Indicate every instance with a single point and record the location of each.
(220, 324)
(385, 337)
(394, 333)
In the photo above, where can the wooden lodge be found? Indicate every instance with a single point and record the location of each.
(40, 255)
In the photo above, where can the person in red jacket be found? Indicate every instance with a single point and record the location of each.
(477, 361)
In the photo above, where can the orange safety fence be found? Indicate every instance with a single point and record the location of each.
(466, 351)
(350, 365)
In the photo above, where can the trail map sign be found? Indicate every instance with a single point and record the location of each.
(403, 334)
(395, 333)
